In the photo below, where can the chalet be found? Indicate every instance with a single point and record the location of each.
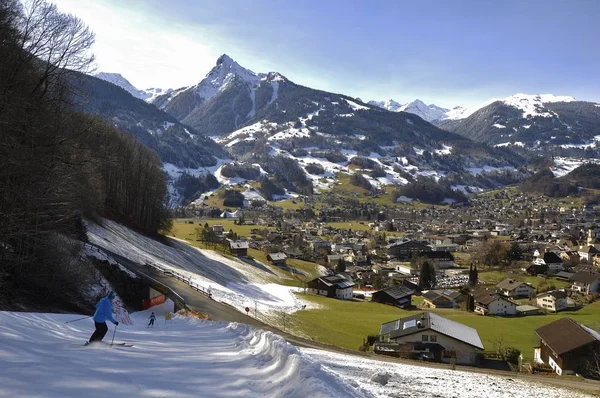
(441, 259)
(404, 250)
(238, 248)
(442, 299)
(333, 259)
(552, 260)
(585, 282)
(554, 301)
(336, 286)
(513, 288)
(278, 259)
(218, 229)
(566, 346)
(443, 339)
(493, 304)
(398, 295)
(586, 253)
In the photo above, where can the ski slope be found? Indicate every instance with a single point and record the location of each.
(230, 281)
(42, 356)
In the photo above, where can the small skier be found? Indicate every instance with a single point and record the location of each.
(152, 318)
(102, 314)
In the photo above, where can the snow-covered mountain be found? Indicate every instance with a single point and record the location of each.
(417, 107)
(544, 123)
(117, 79)
(182, 102)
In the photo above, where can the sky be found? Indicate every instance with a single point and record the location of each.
(444, 52)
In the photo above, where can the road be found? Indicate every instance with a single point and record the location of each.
(218, 311)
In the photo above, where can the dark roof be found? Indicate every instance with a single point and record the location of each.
(564, 335)
(438, 255)
(397, 292)
(448, 294)
(510, 284)
(557, 294)
(238, 244)
(277, 256)
(589, 249)
(564, 275)
(337, 280)
(551, 258)
(486, 298)
(429, 321)
(585, 277)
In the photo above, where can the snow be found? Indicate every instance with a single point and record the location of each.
(446, 150)
(404, 199)
(417, 107)
(43, 356)
(356, 106)
(505, 144)
(231, 281)
(499, 126)
(526, 126)
(466, 189)
(486, 168)
(405, 380)
(592, 144)
(275, 86)
(563, 165)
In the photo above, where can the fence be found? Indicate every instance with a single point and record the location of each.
(187, 279)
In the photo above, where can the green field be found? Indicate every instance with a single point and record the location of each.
(182, 229)
(346, 323)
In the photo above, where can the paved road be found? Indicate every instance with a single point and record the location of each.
(217, 311)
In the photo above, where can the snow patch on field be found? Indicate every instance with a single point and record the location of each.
(563, 166)
(404, 380)
(499, 126)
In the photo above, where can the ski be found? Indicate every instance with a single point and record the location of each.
(86, 344)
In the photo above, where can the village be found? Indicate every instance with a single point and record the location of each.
(507, 255)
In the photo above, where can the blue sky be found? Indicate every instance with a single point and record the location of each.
(447, 52)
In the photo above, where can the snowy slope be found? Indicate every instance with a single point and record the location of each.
(118, 80)
(42, 356)
(417, 107)
(234, 282)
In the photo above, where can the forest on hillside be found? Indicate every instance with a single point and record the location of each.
(59, 166)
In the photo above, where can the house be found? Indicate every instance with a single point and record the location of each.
(442, 299)
(552, 260)
(238, 248)
(218, 229)
(554, 301)
(566, 346)
(524, 310)
(278, 259)
(587, 253)
(319, 244)
(404, 250)
(336, 286)
(513, 288)
(585, 282)
(564, 276)
(443, 339)
(398, 295)
(441, 259)
(487, 303)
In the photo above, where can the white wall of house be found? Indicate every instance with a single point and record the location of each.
(344, 293)
(465, 354)
(501, 307)
(550, 303)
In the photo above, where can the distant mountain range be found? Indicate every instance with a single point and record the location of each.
(257, 117)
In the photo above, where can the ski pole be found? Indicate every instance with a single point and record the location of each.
(113, 339)
(79, 319)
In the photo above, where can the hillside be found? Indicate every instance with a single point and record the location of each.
(556, 125)
(174, 142)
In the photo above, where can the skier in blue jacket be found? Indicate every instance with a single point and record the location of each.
(102, 314)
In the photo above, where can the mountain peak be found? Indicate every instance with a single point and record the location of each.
(118, 80)
(225, 59)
